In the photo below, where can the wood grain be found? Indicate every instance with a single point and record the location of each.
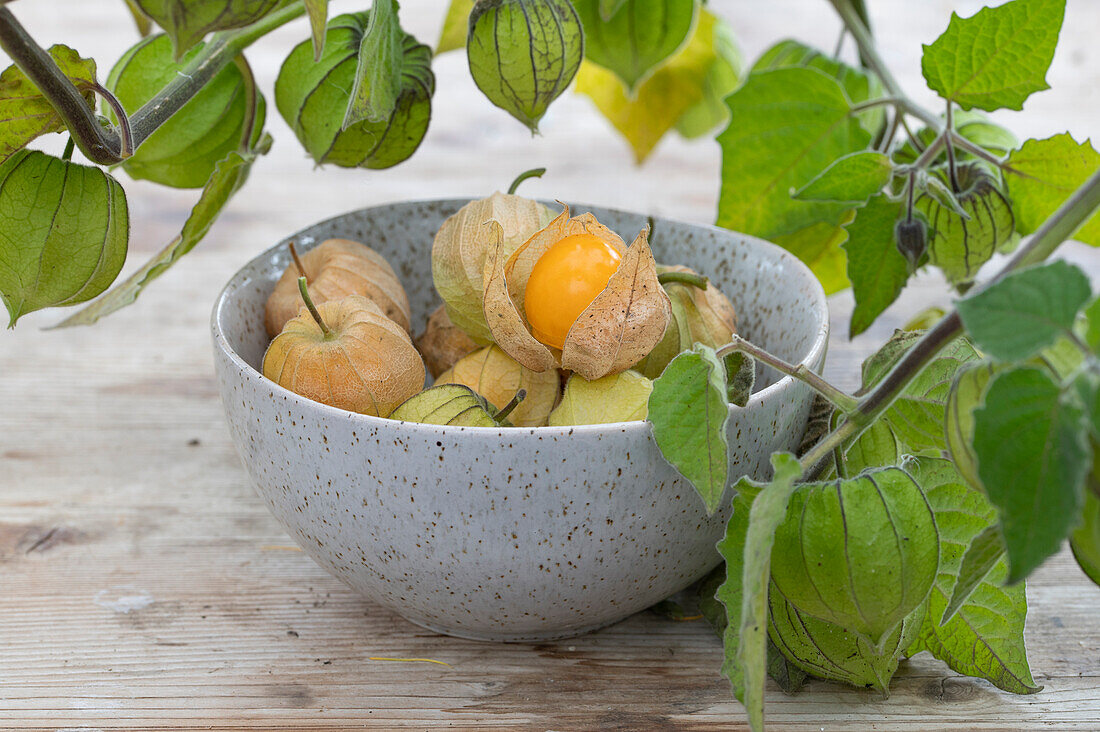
(119, 489)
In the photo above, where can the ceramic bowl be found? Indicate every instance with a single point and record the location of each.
(507, 534)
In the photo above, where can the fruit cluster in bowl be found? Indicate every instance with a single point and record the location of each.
(547, 319)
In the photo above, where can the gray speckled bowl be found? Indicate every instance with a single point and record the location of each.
(506, 534)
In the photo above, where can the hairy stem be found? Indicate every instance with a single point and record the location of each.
(1059, 227)
(98, 143)
(126, 135)
(250, 100)
(857, 26)
(105, 145)
(844, 402)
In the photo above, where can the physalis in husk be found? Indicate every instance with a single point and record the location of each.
(618, 326)
(495, 375)
(460, 248)
(345, 353)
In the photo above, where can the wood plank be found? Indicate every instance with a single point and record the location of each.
(119, 488)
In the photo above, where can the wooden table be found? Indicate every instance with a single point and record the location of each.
(144, 586)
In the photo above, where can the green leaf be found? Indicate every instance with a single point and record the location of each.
(689, 412)
(723, 76)
(318, 17)
(524, 53)
(188, 21)
(983, 554)
(1026, 311)
(996, 58)
(1032, 460)
(787, 126)
(960, 244)
(185, 149)
(64, 230)
(852, 179)
(820, 248)
(143, 24)
(876, 268)
(874, 548)
(662, 99)
(1085, 541)
(313, 98)
(25, 113)
(228, 176)
(740, 377)
(1043, 174)
(379, 69)
(621, 397)
(789, 677)
(985, 637)
(455, 26)
(747, 548)
(859, 84)
(637, 38)
(1092, 325)
(918, 415)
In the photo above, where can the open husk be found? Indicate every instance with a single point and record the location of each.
(336, 268)
(621, 325)
(367, 363)
(460, 247)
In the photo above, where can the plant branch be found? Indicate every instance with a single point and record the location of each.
(222, 48)
(250, 100)
(856, 25)
(844, 402)
(98, 143)
(126, 135)
(1060, 226)
(105, 145)
(952, 166)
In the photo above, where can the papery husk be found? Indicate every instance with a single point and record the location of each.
(828, 651)
(368, 364)
(443, 343)
(495, 375)
(460, 247)
(337, 268)
(621, 325)
(446, 404)
(621, 397)
(698, 316)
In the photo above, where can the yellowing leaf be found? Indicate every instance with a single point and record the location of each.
(455, 26)
(662, 99)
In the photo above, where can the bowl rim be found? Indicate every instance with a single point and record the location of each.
(815, 353)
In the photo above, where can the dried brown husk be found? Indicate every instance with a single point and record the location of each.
(460, 247)
(495, 375)
(621, 325)
(337, 268)
(698, 316)
(442, 343)
(367, 364)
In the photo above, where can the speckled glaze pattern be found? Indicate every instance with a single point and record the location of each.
(506, 534)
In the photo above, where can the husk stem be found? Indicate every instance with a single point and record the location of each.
(304, 290)
(298, 262)
(532, 173)
(683, 278)
(510, 406)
